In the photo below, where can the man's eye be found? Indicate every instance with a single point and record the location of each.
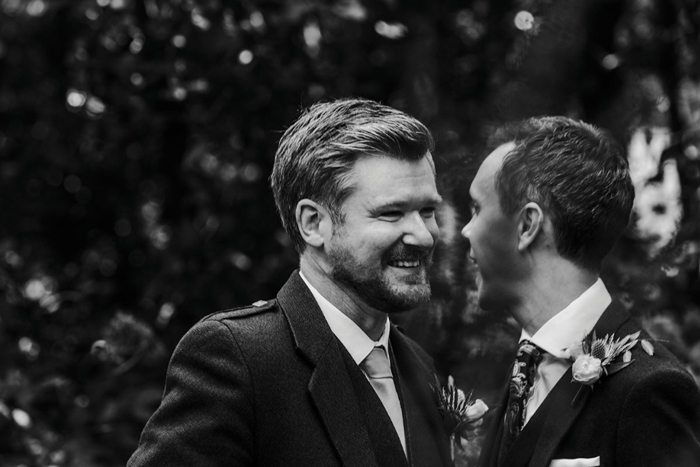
(474, 209)
(391, 216)
(427, 212)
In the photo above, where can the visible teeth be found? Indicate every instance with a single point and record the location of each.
(406, 264)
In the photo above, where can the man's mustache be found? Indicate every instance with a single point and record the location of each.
(409, 253)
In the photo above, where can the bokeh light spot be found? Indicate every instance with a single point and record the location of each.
(36, 8)
(75, 98)
(524, 20)
(21, 418)
(245, 57)
(390, 30)
(179, 41)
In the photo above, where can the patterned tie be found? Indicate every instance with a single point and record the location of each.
(377, 368)
(524, 369)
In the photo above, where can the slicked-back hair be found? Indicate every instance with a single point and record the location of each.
(318, 151)
(577, 174)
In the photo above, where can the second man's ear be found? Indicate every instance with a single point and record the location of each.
(530, 226)
(314, 222)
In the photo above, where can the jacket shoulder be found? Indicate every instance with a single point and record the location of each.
(258, 308)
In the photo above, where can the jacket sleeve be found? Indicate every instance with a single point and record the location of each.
(206, 415)
(660, 422)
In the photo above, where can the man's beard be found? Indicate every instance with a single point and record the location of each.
(376, 289)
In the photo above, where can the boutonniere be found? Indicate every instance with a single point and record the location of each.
(595, 357)
(461, 413)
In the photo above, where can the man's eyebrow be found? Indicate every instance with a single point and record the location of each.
(393, 204)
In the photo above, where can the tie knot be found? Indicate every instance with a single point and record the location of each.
(528, 351)
(376, 364)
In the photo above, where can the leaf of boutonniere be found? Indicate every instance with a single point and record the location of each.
(627, 356)
(629, 345)
(615, 367)
(624, 340)
(648, 348)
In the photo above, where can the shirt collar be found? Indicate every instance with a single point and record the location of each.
(353, 338)
(573, 323)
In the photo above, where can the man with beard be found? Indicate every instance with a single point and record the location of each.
(548, 204)
(319, 376)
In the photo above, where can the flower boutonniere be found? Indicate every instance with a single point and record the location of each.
(594, 357)
(461, 414)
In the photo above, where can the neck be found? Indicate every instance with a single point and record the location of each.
(370, 320)
(550, 292)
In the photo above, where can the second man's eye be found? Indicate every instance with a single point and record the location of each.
(427, 212)
(391, 216)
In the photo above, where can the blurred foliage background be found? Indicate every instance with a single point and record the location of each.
(136, 138)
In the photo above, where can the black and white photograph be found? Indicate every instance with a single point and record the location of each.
(349, 233)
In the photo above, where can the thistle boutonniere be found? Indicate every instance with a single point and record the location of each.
(594, 357)
(461, 413)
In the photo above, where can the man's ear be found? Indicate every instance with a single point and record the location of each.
(314, 222)
(531, 225)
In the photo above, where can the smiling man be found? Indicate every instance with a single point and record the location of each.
(319, 376)
(548, 204)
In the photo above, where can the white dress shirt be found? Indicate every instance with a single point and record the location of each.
(563, 330)
(353, 338)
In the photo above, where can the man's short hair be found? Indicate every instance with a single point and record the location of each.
(577, 174)
(317, 153)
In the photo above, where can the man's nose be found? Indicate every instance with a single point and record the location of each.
(421, 231)
(466, 230)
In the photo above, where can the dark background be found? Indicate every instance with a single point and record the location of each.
(137, 136)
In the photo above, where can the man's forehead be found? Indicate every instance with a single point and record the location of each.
(495, 159)
(491, 165)
(395, 185)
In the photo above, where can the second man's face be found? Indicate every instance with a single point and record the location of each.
(384, 247)
(493, 237)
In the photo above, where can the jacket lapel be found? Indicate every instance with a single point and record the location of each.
(494, 420)
(330, 386)
(559, 412)
(425, 433)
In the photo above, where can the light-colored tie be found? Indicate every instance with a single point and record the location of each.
(377, 368)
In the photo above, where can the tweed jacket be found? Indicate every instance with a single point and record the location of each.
(647, 414)
(270, 385)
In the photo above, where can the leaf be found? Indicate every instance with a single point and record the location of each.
(615, 367)
(624, 340)
(627, 357)
(628, 346)
(648, 348)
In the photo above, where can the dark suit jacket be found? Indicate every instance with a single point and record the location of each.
(270, 385)
(647, 414)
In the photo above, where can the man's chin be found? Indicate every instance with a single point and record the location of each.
(408, 276)
(408, 297)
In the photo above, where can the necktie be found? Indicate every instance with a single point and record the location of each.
(524, 369)
(377, 368)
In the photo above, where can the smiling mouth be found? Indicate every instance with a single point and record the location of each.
(404, 264)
